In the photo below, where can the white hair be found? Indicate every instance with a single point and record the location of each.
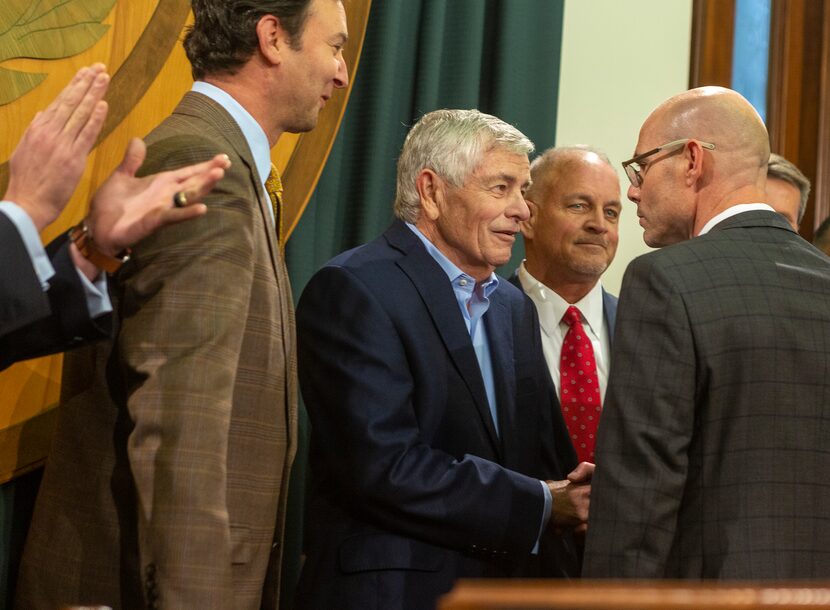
(450, 143)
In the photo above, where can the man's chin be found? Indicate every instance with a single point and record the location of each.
(590, 268)
(302, 126)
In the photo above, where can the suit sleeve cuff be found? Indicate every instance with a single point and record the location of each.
(31, 239)
(545, 516)
(97, 298)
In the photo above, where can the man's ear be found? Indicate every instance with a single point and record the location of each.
(693, 154)
(272, 39)
(431, 192)
(527, 226)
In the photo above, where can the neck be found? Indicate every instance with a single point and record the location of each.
(248, 92)
(708, 210)
(572, 289)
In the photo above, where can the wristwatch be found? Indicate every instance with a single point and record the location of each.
(81, 237)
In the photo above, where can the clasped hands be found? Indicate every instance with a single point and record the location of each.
(571, 499)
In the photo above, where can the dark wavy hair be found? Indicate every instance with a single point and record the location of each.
(223, 36)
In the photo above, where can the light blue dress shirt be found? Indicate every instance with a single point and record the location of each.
(254, 135)
(97, 299)
(473, 301)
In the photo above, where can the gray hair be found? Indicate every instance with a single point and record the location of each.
(451, 143)
(782, 169)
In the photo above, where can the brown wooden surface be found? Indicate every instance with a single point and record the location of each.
(821, 185)
(798, 96)
(634, 595)
(713, 27)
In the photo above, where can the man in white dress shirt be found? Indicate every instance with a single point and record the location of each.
(570, 240)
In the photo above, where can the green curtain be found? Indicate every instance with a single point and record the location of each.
(500, 56)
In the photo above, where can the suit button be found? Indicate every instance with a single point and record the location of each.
(150, 571)
(275, 546)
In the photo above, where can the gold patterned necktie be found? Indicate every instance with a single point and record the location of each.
(274, 187)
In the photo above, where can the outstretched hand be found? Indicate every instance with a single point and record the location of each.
(50, 158)
(126, 209)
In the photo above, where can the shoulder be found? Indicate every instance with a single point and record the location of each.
(197, 130)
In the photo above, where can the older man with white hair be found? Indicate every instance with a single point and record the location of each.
(435, 450)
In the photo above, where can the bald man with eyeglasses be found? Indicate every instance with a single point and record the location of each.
(712, 456)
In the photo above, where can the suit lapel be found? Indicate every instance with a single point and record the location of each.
(609, 310)
(201, 106)
(499, 325)
(436, 292)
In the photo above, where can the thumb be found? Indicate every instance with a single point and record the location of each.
(582, 473)
(133, 157)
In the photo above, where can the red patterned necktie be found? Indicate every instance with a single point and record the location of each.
(579, 386)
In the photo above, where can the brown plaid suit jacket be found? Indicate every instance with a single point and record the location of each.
(714, 446)
(166, 486)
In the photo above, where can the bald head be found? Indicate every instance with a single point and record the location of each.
(717, 159)
(555, 162)
(718, 115)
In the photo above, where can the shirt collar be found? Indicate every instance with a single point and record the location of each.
(251, 130)
(454, 274)
(590, 305)
(733, 211)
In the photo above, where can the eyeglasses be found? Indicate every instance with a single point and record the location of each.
(634, 166)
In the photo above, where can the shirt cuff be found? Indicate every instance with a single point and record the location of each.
(97, 297)
(31, 240)
(545, 516)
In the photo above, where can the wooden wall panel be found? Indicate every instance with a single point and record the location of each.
(798, 96)
(713, 27)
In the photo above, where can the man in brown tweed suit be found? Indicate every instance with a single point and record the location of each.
(712, 452)
(166, 486)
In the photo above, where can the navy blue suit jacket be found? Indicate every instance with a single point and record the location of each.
(33, 322)
(411, 485)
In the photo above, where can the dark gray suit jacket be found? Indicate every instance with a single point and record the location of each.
(714, 445)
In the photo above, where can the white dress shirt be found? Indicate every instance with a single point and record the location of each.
(733, 211)
(551, 307)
